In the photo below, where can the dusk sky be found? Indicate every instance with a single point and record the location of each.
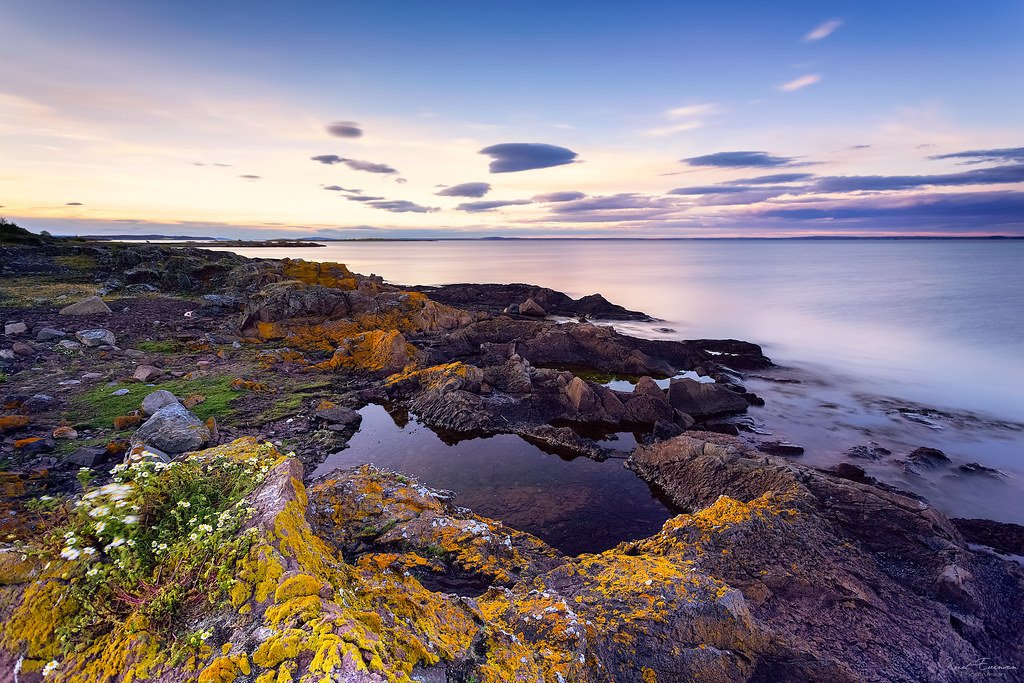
(381, 119)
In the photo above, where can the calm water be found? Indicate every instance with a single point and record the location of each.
(575, 505)
(940, 323)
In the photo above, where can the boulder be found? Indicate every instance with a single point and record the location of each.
(155, 401)
(173, 430)
(646, 385)
(38, 403)
(11, 329)
(532, 309)
(340, 415)
(22, 349)
(146, 373)
(34, 445)
(49, 334)
(930, 458)
(87, 456)
(581, 396)
(780, 448)
(703, 400)
(96, 337)
(91, 306)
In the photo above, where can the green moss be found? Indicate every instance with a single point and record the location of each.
(76, 262)
(98, 407)
(162, 346)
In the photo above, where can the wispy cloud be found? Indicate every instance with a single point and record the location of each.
(741, 159)
(802, 82)
(977, 156)
(478, 207)
(688, 117)
(355, 164)
(554, 197)
(822, 30)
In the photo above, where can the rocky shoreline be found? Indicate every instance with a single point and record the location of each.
(122, 362)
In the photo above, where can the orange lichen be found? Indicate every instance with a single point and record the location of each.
(124, 422)
(9, 423)
(326, 274)
(22, 443)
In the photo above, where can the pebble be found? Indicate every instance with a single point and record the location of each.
(120, 392)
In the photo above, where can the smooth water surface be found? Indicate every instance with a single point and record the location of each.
(577, 505)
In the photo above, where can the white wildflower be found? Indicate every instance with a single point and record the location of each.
(50, 667)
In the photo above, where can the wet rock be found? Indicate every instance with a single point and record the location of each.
(1001, 536)
(982, 470)
(87, 456)
(146, 373)
(173, 430)
(871, 451)
(723, 428)
(156, 400)
(338, 415)
(96, 337)
(49, 334)
(531, 309)
(38, 403)
(91, 306)
(780, 448)
(663, 429)
(929, 458)
(11, 329)
(22, 349)
(850, 471)
(703, 400)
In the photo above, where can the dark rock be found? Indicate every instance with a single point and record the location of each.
(35, 445)
(664, 429)
(780, 448)
(22, 349)
(983, 470)
(339, 415)
(850, 471)
(871, 451)
(49, 334)
(647, 385)
(38, 403)
(91, 306)
(496, 298)
(930, 458)
(87, 456)
(722, 428)
(1001, 536)
(703, 400)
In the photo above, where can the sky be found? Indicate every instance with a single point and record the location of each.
(394, 118)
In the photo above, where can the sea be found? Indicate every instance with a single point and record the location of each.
(900, 343)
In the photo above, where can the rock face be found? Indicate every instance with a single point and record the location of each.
(91, 306)
(172, 429)
(157, 400)
(96, 338)
(703, 400)
(879, 585)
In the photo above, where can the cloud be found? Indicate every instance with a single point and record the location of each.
(466, 190)
(689, 117)
(616, 202)
(558, 197)
(880, 183)
(362, 198)
(692, 110)
(345, 129)
(772, 179)
(977, 156)
(73, 204)
(478, 207)
(802, 82)
(709, 189)
(740, 160)
(354, 164)
(250, 177)
(665, 131)
(510, 157)
(822, 30)
(339, 188)
(400, 206)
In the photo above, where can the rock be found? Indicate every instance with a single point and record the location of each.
(339, 415)
(780, 448)
(49, 334)
(1001, 536)
(872, 451)
(34, 445)
(930, 458)
(532, 309)
(144, 452)
(92, 377)
(511, 309)
(173, 430)
(724, 428)
(11, 329)
(7, 354)
(91, 306)
(703, 400)
(581, 396)
(67, 345)
(155, 401)
(979, 469)
(222, 301)
(646, 385)
(120, 392)
(123, 422)
(849, 471)
(65, 432)
(146, 373)
(96, 338)
(22, 349)
(38, 403)
(87, 456)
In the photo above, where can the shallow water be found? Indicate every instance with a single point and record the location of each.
(940, 323)
(575, 505)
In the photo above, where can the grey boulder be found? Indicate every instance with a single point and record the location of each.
(97, 337)
(91, 306)
(157, 400)
(173, 430)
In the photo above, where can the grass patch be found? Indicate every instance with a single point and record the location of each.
(291, 401)
(98, 408)
(162, 346)
(76, 261)
(34, 291)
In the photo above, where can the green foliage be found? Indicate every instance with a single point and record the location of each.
(4, 378)
(11, 233)
(156, 539)
(162, 346)
(97, 408)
